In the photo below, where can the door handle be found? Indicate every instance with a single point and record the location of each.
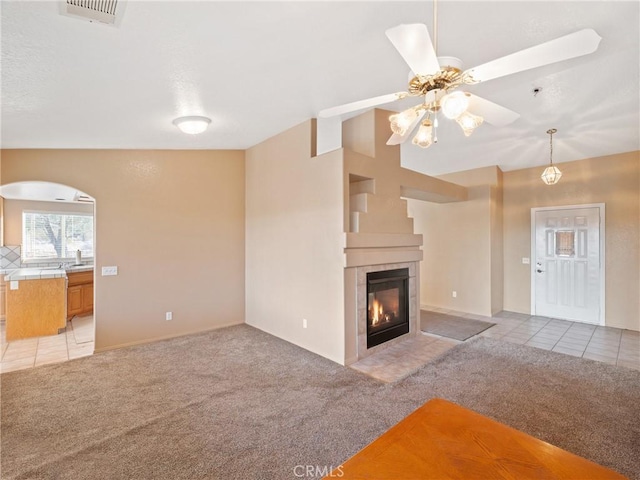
(539, 271)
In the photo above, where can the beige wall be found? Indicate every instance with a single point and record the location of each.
(173, 223)
(497, 245)
(457, 252)
(463, 246)
(13, 215)
(612, 180)
(295, 241)
(463, 239)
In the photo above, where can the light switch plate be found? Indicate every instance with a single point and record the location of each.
(525, 260)
(13, 285)
(106, 271)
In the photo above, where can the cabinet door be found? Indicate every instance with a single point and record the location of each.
(3, 302)
(74, 300)
(87, 298)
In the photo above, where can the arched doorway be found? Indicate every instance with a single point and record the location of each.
(48, 226)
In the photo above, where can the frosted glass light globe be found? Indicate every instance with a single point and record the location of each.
(454, 104)
(192, 125)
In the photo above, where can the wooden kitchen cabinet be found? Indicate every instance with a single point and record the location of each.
(3, 298)
(79, 293)
(35, 308)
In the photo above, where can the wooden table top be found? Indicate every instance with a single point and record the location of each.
(442, 440)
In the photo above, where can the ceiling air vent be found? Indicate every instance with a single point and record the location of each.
(103, 11)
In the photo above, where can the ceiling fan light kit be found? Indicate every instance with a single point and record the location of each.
(437, 80)
(469, 122)
(193, 124)
(454, 104)
(401, 122)
(551, 174)
(424, 137)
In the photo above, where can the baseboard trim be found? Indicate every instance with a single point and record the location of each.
(166, 337)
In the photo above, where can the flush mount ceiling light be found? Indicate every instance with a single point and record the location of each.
(551, 174)
(437, 80)
(193, 124)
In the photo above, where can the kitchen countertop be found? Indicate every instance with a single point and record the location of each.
(36, 273)
(78, 268)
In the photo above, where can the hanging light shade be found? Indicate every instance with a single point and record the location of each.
(454, 104)
(469, 122)
(424, 137)
(551, 174)
(400, 122)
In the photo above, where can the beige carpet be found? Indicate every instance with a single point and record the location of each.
(238, 403)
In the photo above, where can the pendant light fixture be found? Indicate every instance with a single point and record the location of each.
(551, 174)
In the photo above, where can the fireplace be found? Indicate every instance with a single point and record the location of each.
(387, 305)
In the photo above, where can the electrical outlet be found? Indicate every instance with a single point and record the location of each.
(106, 271)
(169, 316)
(525, 260)
(304, 323)
(454, 294)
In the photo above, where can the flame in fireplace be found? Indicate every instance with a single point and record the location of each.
(377, 313)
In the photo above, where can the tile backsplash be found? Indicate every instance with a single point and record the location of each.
(10, 257)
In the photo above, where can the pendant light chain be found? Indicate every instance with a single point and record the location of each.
(551, 132)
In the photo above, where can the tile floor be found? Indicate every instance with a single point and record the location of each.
(604, 344)
(405, 357)
(77, 341)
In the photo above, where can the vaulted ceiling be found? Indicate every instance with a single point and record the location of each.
(258, 68)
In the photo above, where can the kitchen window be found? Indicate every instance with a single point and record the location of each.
(56, 236)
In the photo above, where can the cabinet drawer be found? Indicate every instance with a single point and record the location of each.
(79, 278)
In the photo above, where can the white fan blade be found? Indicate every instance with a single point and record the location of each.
(396, 139)
(491, 112)
(573, 45)
(414, 44)
(360, 104)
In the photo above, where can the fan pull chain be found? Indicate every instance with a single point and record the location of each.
(435, 127)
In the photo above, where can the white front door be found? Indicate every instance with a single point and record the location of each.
(566, 263)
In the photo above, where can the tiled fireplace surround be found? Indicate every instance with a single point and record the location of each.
(366, 253)
(361, 306)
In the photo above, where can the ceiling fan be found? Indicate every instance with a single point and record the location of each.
(438, 80)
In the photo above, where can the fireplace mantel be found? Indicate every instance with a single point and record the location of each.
(363, 249)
